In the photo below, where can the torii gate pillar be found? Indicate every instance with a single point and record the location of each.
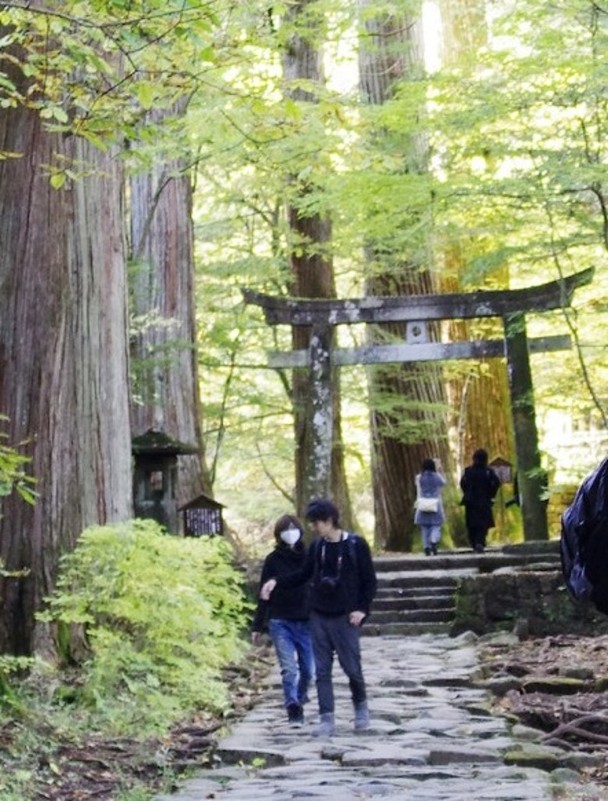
(530, 475)
(317, 483)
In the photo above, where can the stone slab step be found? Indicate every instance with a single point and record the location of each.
(372, 629)
(522, 554)
(408, 581)
(403, 593)
(382, 604)
(441, 615)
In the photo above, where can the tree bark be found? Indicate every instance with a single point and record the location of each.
(63, 356)
(166, 393)
(479, 398)
(313, 277)
(408, 421)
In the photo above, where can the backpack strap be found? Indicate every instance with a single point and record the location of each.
(351, 544)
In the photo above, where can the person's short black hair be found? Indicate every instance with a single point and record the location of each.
(429, 464)
(322, 509)
(480, 457)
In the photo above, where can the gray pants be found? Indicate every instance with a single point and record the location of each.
(336, 635)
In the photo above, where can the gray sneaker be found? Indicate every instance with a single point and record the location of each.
(361, 716)
(326, 726)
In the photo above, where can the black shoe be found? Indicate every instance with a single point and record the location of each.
(434, 550)
(427, 551)
(295, 715)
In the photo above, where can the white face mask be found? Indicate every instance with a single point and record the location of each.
(290, 536)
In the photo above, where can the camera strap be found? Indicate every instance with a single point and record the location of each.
(339, 562)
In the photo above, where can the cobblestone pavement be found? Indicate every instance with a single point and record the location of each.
(432, 739)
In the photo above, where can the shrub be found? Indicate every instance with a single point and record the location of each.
(161, 616)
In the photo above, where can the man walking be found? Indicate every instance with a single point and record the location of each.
(343, 587)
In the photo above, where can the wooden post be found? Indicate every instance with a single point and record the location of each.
(317, 477)
(530, 476)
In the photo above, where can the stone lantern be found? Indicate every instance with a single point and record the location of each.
(155, 477)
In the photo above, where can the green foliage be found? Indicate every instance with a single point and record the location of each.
(162, 616)
(499, 158)
(12, 471)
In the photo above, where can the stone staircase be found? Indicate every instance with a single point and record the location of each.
(417, 594)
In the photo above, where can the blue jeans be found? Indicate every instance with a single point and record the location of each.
(430, 536)
(292, 643)
(335, 635)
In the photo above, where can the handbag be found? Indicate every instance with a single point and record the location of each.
(422, 504)
(427, 504)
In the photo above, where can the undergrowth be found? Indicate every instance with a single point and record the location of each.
(144, 624)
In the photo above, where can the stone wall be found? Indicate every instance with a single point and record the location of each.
(535, 603)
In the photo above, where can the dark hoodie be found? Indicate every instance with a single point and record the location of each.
(286, 602)
(348, 566)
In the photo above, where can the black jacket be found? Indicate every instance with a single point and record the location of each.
(479, 486)
(342, 573)
(286, 602)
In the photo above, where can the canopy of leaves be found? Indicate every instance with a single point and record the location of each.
(509, 173)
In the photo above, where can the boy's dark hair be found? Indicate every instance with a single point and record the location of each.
(322, 509)
(480, 457)
(429, 464)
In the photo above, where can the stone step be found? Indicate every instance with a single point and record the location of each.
(521, 555)
(416, 593)
(440, 615)
(417, 597)
(476, 563)
(382, 604)
(415, 562)
(371, 629)
(411, 581)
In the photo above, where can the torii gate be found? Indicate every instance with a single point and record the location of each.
(416, 311)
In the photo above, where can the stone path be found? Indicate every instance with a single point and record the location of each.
(432, 739)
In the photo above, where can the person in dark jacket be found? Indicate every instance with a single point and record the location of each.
(286, 615)
(343, 587)
(479, 485)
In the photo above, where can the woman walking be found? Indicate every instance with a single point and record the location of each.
(429, 514)
(286, 614)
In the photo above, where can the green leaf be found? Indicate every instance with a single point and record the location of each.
(57, 180)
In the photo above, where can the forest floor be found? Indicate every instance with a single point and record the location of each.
(127, 769)
(574, 718)
(97, 770)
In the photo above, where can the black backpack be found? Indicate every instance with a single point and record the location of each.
(584, 540)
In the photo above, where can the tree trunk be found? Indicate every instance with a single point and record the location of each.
(464, 30)
(479, 399)
(63, 356)
(313, 277)
(163, 347)
(408, 420)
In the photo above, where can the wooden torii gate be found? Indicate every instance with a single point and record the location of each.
(416, 311)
